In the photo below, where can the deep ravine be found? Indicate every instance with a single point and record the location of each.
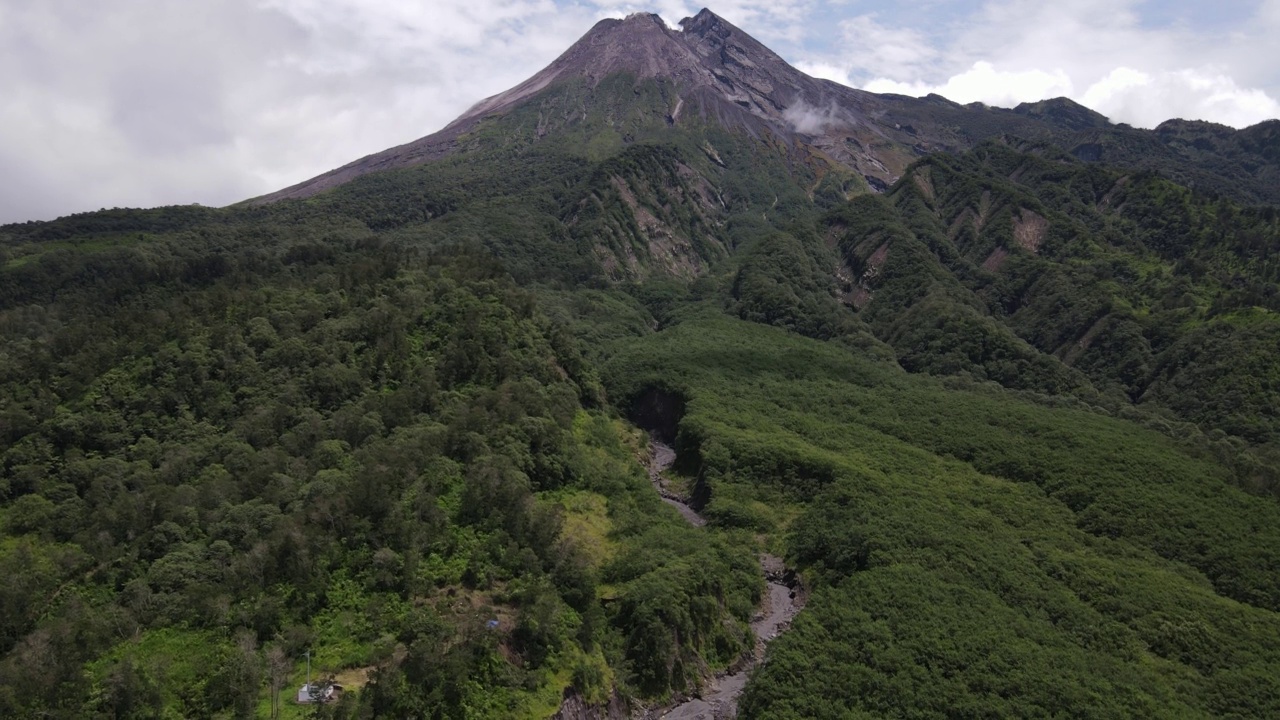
(719, 699)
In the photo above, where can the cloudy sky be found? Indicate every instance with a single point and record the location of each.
(136, 103)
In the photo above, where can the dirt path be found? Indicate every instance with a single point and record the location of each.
(779, 606)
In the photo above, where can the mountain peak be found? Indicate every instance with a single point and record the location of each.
(1063, 112)
(700, 22)
(714, 67)
(645, 17)
(707, 72)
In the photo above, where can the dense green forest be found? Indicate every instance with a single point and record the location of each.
(349, 448)
(1015, 422)
(1057, 560)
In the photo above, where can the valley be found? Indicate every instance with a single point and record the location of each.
(641, 391)
(779, 605)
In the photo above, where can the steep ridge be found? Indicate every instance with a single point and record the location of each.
(713, 73)
(721, 75)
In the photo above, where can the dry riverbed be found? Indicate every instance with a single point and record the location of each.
(719, 699)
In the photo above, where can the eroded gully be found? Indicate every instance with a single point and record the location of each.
(719, 699)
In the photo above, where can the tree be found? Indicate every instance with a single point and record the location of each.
(278, 667)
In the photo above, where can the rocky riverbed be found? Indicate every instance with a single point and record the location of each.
(719, 698)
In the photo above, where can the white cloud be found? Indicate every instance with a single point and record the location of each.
(146, 102)
(1269, 13)
(1147, 100)
(808, 119)
(132, 104)
(984, 83)
(1097, 52)
(882, 50)
(826, 71)
(771, 21)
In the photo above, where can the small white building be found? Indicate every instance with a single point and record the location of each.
(316, 693)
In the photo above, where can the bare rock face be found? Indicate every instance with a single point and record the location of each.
(720, 73)
(574, 707)
(714, 73)
(641, 45)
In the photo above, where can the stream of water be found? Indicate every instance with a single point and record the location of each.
(719, 699)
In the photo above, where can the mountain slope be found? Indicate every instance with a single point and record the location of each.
(1010, 421)
(713, 72)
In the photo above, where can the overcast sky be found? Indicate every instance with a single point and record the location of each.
(136, 103)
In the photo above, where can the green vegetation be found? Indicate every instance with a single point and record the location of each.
(969, 549)
(341, 448)
(1014, 422)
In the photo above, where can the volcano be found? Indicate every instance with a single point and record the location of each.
(712, 72)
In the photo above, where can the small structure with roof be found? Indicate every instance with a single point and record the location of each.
(318, 692)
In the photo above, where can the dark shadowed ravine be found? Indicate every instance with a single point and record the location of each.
(719, 699)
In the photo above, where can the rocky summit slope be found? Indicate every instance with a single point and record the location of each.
(719, 74)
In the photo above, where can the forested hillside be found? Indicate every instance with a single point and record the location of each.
(1055, 558)
(1014, 423)
(223, 448)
